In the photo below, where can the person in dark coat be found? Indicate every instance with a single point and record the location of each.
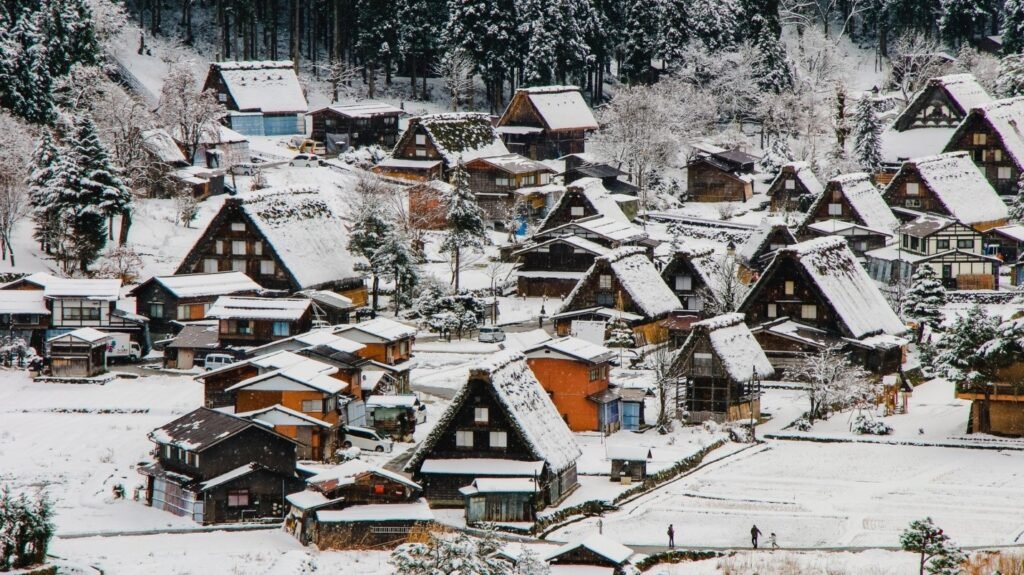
(754, 534)
(671, 536)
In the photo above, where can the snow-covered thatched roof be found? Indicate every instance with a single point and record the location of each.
(207, 284)
(959, 186)
(804, 174)
(461, 136)
(757, 243)
(258, 308)
(1006, 118)
(159, 142)
(736, 348)
(306, 228)
(963, 90)
(604, 202)
(609, 549)
(527, 406)
(263, 86)
(864, 198)
(636, 275)
(844, 284)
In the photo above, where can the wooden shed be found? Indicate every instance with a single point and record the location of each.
(505, 499)
(79, 353)
(629, 463)
(373, 526)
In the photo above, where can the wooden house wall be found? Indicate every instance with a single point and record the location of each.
(771, 291)
(692, 299)
(501, 507)
(636, 470)
(990, 156)
(925, 200)
(933, 109)
(951, 235)
(544, 287)
(267, 491)
(834, 195)
(363, 535)
(560, 257)
(380, 130)
(371, 488)
(251, 445)
(215, 386)
(545, 145)
(706, 183)
(154, 293)
(590, 293)
(215, 82)
(251, 400)
(583, 556)
(262, 330)
(563, 211)
(569, 385)
(408, 149)
(785, 199)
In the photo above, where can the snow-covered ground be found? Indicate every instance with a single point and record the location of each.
(873, 562)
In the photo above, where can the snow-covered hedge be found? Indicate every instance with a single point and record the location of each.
(866, 426)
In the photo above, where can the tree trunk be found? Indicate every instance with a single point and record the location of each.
(296, 37)
(458, 265)
(126, 223)
(376, 291)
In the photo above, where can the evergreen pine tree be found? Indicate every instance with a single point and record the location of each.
(675, 30)
(960, 20)
(541, 39)
(420, 28)
(43, 190)
(925, 297)
(938, 554)
(465, 228)
(778, 154)
(487, 31)
(399, 265)
(867, 136)
(1013, 27)
(1010, 82)
(11, 96)
(714, 23)
(771, 68)
(71, 35)
(32, 73)
(1017, 207)
(375, 39)
(367, 237)
(639, 39)
(100, 178)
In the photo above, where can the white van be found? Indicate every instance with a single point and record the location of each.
(366, 438)
(491, 334)
(217, 360)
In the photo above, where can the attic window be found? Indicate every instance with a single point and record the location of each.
(463, 439)
(997, 155)
(773, 310)
(480, 415)
(1004, 173)
(790, 184)
(684, 283)
(980, 139)
(789, 287)
(421, 139)
(500, 180)
(237, 226)
(576, 211)
(913, 189)
(499, 440)
(835, 209)
(421, 153)
(222, 97)
(605, 281)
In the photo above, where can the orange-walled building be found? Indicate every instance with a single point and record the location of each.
(385, 340)
(575, 373)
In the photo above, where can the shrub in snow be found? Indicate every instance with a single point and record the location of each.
(364, 158)
(863, 425)
(620, 336)
(711, 427)
(453, 554)
(802, 424)
(26, 526)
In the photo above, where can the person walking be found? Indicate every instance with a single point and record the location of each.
(671, 536)
(754, 534)
(772, 542)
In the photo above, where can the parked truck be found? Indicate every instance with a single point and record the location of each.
(122, 348)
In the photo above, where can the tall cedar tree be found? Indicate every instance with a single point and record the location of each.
(771, 68)
(367, 238)
(465, 221)
(43, 189)
(102, 178)
(962, 360)
(714, 23)
(80, 203)
(487, 31)
(925, 297)
(399, 265)
(640, 40)
(961, 19)
(1010, 82)
(867, 136)
(420, 29)
(1013, 27)
(376, 39)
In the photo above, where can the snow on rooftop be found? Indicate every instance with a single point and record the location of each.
(364, 109)
(278, 414)
(865, 199)
(209, 284)
(330, 339)
(964, 89)
(381, 327)
(897, 147)
(309, 499)
(266, 86)
(159, 142)
(284, 309)
(95, 289)
(628, 452)
(392, 401)
(482, 466)
(960, 187)
(756, 242)
(345, 473)
(86, 334)
(229, 476)
(573, 347)
(22, 301)
(416, 511)
(516, 164)
(562, 108)
(1006, 117)
(462, 136)
(306, 228)
(1015, 232)
(805, 174)
(637, 275)
(599, 544)
(846, 286)
(731, 340)
(501, 485)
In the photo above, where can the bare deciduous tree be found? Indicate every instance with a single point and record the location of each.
(342, 78)
(15, 156)
(188, 114)
(832, 382)
(456, 69)
(915, 59)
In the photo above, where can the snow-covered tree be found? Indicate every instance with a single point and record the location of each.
(186, 206)
(915, 57)
(984, 66)
(867, 133)
(371, 229)
(924, 300)
(960, 20)
(714, 23)
(121, 262)
(728, 292)
(938, 554)
(1013, 27)
(101, 180)
(832, 382)
(16, 156)
(376, 40)
(399, 266)
(487, 31)
(1010, 82)
(455, 69)
(639, 39)
(1017, 207)
(420, 28)
(465, 222)
(451, 554)
(771, 68)
(26, 527)
(530, 563)
(963, 358)
(43, 187)
(186, 112)
(777, 155)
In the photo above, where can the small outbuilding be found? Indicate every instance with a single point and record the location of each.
(505, 499)
(629, 463)
(79, 353)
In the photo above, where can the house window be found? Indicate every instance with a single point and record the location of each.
(965, 244)
(543, 249)
(501, 181)
(835, 209)
(529, 180)
(187, 312)
(241, 326)
(237, 226)
(480, 415)
(576, 211)
(81, 313)
(605, 299)
(604, 281)
(267, 267)
(789, 287)
(702, 360)
(210, 266)
(979, 139)
(598, 372)
(545, 179)
(808, 311)
(238, 265)
(773, 310)
(499, 440)
(421, 139)
(997, 155)
(942, 244)
(915, 243)
(684, 283)
(906, 241)
(790, 184)
(913, 189)
(156, 309)
(312, 406)
(281, 328)
(421, 153)
(238, 498)
(167, 452)
(219, 248)
(257, 248)
(222, 97)
(238, 248)
(463, 439)
(1004, 173)
(912, 203)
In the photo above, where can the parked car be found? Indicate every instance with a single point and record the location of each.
(491, 334)
(217, 360)
(366, 438)
(305, 161)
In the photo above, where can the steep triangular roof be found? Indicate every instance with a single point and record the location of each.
(864, 198)
(602, 202)
(962, 91)
(803, 173)
(526, 405)
(557, 107)
(263, 86)
(203, 428)
(842, 282)
(959, 186)
(731, 341)
(757, 243)
(461, 136)
(637, 276)
(1005, 117)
